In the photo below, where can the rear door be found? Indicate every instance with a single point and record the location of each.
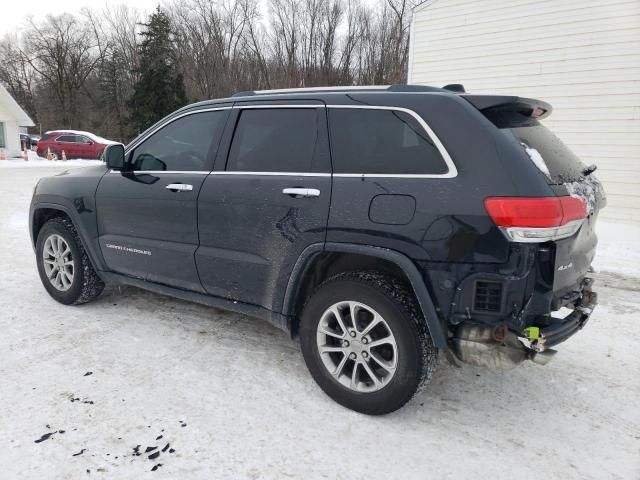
(147, 215)
(266, 201)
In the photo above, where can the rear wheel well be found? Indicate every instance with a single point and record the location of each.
(42, 216)
(328, 264)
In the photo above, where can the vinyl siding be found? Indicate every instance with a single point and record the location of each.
(582, 56)
(11, 133)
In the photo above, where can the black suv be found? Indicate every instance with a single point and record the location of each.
(380, 225)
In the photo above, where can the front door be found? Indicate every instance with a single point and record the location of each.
(147, 213)
(68, 144)
(84, 148)
(270, 201)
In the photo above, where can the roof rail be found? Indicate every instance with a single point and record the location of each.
(413, 88)
(380, 88)
(310, 89)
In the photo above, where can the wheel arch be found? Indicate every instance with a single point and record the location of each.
(41, 213)
(301, 281)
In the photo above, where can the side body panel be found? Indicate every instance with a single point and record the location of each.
(450, 223)
(73, 192)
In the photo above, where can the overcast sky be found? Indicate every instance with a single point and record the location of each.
(14, 13)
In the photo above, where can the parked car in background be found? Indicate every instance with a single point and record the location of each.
(74, 144)
(31, 141)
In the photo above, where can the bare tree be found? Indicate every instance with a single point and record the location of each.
(212, 40)
(114, 30)
(61, 51)
(80, 70)
(17, 75)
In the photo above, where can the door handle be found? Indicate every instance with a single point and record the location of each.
(302, 192)
(179, 187)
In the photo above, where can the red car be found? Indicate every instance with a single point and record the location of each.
(74, 144)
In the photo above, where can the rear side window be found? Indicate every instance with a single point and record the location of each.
(546, 150)
(275, 140)
(383, 142)
(185, 144)
(66, 138)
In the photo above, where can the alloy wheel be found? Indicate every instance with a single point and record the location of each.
(58, 262)
(357, 346)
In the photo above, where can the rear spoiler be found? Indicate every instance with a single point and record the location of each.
(526, 106)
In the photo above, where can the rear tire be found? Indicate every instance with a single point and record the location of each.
(377, 364)
(63, 264)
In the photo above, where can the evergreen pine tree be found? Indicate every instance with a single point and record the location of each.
(160, 88)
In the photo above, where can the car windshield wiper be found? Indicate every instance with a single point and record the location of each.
(589, 170)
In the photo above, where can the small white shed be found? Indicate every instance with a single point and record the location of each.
(582, 56)
(13, 120)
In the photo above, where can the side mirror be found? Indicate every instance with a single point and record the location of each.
(114, 156)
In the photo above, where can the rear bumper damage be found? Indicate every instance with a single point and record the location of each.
(499, 347)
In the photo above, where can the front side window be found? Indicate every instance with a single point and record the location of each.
(377, 141)
(185, 144)
(275, 140)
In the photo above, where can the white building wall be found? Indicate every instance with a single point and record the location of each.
(11, 133)
(582, 56)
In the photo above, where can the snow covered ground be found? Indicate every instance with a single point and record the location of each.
(83, 390)
(39, 162)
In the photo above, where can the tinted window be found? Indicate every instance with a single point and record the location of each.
(381, 141)
(183, 145)
(275, 140)
(66, 138)
(561, 164)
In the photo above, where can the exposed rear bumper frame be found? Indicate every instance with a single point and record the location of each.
(566, 327)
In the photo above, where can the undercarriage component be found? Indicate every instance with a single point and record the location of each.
(492, 347)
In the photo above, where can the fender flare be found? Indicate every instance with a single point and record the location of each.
(92, 249)
(418, 285)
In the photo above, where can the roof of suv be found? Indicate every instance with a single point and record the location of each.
(346, 89)
(537, 108)
(323, 93)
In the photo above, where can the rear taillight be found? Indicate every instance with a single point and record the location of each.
(537, 219)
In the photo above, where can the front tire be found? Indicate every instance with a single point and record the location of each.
(64, 266)
(365, 342)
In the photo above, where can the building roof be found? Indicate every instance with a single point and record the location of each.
(9, 103)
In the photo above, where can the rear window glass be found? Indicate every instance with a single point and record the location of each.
(544, 148)
(382, 141)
